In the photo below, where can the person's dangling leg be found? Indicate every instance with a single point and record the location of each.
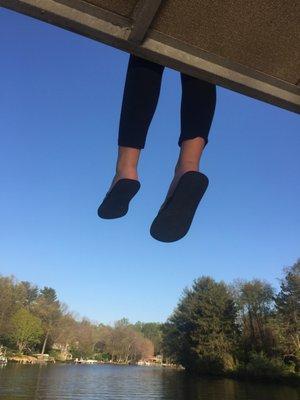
(198, 104)
(141, 93)
(188, 185)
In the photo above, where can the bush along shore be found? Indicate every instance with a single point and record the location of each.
(242, 330)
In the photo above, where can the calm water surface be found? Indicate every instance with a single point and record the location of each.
(105, 382)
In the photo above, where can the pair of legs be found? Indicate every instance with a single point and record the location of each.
(141, 93)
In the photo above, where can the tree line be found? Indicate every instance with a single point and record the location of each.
(244, 328)
(33, 320)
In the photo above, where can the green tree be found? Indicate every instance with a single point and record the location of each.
(64, 334)
(86, 338)
(201, 333)
(26, 329)
(7, 304)
(255, 302)
(124, 343)
(25, 294)
(48, 309)
(153, 332)
(288, 313)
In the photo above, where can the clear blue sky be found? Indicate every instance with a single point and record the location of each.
(60, 100)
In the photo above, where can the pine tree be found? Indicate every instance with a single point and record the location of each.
(201, 333)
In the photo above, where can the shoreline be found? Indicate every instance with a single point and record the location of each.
(291, 380)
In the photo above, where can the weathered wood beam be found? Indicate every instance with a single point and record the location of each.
(256, 85)
(143, 15)
(101, 26)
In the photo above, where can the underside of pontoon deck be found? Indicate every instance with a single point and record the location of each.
(251, 46)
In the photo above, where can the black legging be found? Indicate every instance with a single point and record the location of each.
(141, 93)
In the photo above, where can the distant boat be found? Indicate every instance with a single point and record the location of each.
(81, 361)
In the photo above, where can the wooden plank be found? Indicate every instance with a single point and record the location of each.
(99, 26)
(143, 16)
(255, 86)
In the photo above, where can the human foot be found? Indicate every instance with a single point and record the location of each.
(124, 185)
(124, 173)
(188, 160)
(127, 163)
(116, 201)
(177, 212)
(180, 170)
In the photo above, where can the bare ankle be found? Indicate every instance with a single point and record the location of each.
(126, 171)
(185, 166)
(127, 163)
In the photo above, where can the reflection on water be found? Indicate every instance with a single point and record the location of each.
(105, 382)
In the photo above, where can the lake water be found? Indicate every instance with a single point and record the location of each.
(105, 382)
